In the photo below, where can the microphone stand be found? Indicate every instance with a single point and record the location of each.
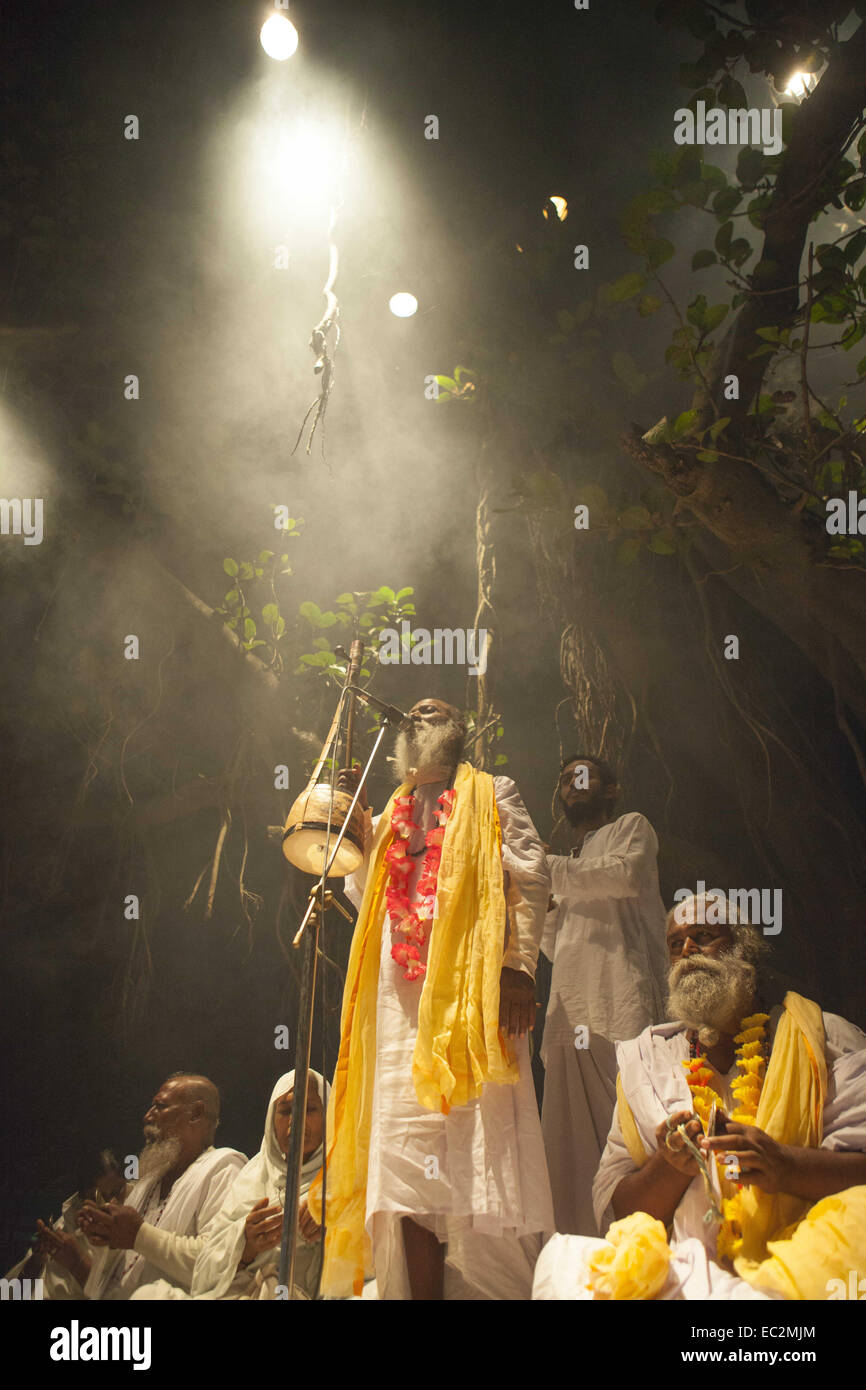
(307, 941)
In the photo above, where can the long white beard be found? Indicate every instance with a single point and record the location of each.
(426, 746)
(706, 994)
(157, 1157)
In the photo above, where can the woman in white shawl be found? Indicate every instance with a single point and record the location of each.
(241, 1250)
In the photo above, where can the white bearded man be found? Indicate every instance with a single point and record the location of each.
(155, 1237)
(759, 1118)
(436, 1170)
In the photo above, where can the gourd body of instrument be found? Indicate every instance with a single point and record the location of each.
(306, 842)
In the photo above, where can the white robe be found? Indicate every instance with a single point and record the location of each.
(476, 1177)
(606, 939)
(168, 1245)
(655, 1086)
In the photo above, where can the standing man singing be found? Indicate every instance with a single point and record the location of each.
(606, 939)
(436, 1170)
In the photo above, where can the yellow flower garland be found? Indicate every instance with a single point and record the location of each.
(746, 1089)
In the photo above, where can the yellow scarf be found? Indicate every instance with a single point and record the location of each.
(458, 1046)
(789, 1247)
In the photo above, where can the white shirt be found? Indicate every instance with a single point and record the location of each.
(606, 935)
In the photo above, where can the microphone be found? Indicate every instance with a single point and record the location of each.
(393, 717)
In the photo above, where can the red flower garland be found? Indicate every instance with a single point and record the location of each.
(410, 921)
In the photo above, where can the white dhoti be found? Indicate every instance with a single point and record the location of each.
(579, 1101)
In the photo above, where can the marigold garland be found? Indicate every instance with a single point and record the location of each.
(410, 921)
(746, 1089)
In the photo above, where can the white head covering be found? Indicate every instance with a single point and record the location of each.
(264, 1176)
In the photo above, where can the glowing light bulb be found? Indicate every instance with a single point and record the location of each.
(561, 206)
(800, 85)
(403, 305)
(279, 37)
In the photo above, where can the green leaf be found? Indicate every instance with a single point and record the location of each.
(246, 570)
(703, 258)
(230, 567)
(726, 201)
(659, 251)
(628, 372)
(312, 612)
(861, 367)
(500, 760)
(697, 310)
(750, 166)
(854, 194)
(663, 542)
(232, 597)
(635, 518)
(647, 305)
(686, 422)
(403, 593)
(707, 456)
(265, 555)
(714, 316)
(723, 237)
(594, 497)
(345, 598)
(718, 426)
(270, 613)
(383, 595)
(447, 383)
(279, 627)
(626, 287)
(629, 551)
(249, 628)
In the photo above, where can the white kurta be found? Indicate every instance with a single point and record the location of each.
(655, 1086)
(606, 939)
(477, 1176)
(169, 1239)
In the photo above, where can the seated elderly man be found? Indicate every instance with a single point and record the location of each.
(757, 1119)
(182, 1180)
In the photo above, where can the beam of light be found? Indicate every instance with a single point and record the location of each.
(403, 305)
(279, 37)
(561, 206)
(800, 85)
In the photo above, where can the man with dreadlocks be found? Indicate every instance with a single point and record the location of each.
(436, 1175)
(605, 937)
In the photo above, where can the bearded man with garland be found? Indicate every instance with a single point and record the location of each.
(757, 1117)
(436, 1176)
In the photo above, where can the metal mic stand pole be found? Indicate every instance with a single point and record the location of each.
(308, 941)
